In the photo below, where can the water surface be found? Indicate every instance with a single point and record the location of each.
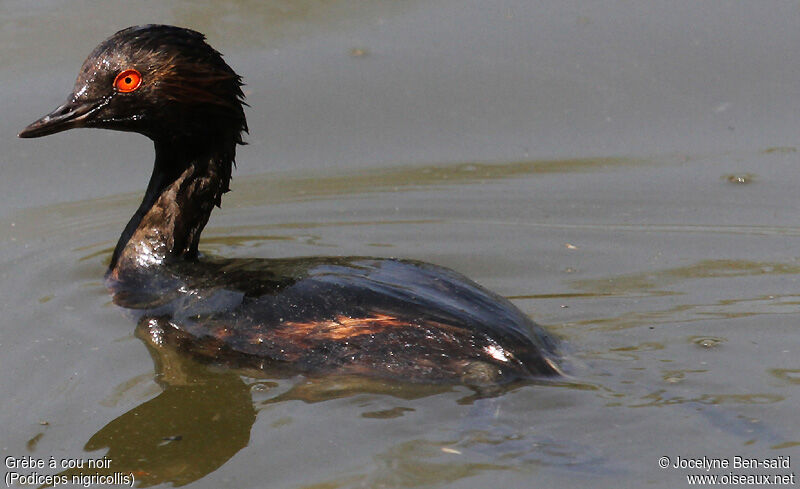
(626, 175)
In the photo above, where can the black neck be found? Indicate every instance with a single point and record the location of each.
(185, 185)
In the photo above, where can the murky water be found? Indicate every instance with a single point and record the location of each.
(482, 139)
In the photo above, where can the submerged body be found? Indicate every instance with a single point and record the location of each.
(380, 317)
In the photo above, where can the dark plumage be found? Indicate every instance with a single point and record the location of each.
(380, 317)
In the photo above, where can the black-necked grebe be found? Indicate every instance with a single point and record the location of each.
(381, 317)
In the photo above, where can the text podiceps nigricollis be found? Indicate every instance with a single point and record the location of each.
(381, 317)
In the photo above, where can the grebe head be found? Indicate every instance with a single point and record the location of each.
(162, 81)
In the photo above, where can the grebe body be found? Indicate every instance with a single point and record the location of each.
(386, 318)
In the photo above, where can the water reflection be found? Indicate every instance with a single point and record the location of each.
(198, 422)
(660, 283)
(81, 217)
(791, 376)
(655, 282)
(204, 415)
(268, 23)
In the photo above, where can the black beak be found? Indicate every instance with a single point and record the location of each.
(69, 115)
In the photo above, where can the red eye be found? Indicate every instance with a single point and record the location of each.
(128, 81)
